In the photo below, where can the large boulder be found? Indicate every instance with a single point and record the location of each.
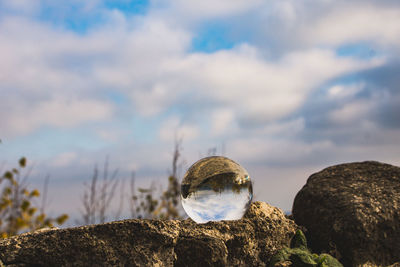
(251, 241)
(352, 211)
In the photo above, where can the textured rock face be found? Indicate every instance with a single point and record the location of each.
(353, 211)
(248, 242)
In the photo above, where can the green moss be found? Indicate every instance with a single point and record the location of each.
(300, 256)
(282, 255)
(326, 260)
(299, 240)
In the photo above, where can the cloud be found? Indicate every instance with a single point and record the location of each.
(285, 128)
(20, 6)
(260, 90)
(277, 151)
(58, 112)
(352, 22)
(223, 122)
(352, 112)
(280, 26)
(173, 128)
(194, 10)
(151, 64)
(153, 100)
(111, 135)
(59, 78)
(64, 159)
(345, 91)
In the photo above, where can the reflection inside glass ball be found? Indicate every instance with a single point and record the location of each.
(216, 188)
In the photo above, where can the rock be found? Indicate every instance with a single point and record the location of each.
(352, 211)
(250, 241)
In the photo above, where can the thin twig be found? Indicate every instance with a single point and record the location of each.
(44, 195)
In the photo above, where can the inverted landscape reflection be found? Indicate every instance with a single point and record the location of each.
(207, 205)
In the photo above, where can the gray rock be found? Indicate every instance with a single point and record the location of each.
(247, 242)
(352, 211)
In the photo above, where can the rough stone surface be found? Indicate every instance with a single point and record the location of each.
(352, 211)
(251, 241)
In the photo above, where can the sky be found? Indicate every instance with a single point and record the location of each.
(285, 88)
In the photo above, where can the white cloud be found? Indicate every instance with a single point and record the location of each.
(64, 159)
(111, 135)
(54, 77)
(277, 150)
(152, 101)
(281, 26)
(22, 6)
(359, 110)
(281, 129)
(345, 91)
(173, 127)
(150, 63)
(352, 112)
(60, 112)
(261, 90)
(223, 120)
(354, 22)
(195, 10)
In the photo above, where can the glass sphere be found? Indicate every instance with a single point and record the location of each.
(216, 188)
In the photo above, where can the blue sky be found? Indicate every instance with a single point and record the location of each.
(284, 87)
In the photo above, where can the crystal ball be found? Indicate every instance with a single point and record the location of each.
(216, 188)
